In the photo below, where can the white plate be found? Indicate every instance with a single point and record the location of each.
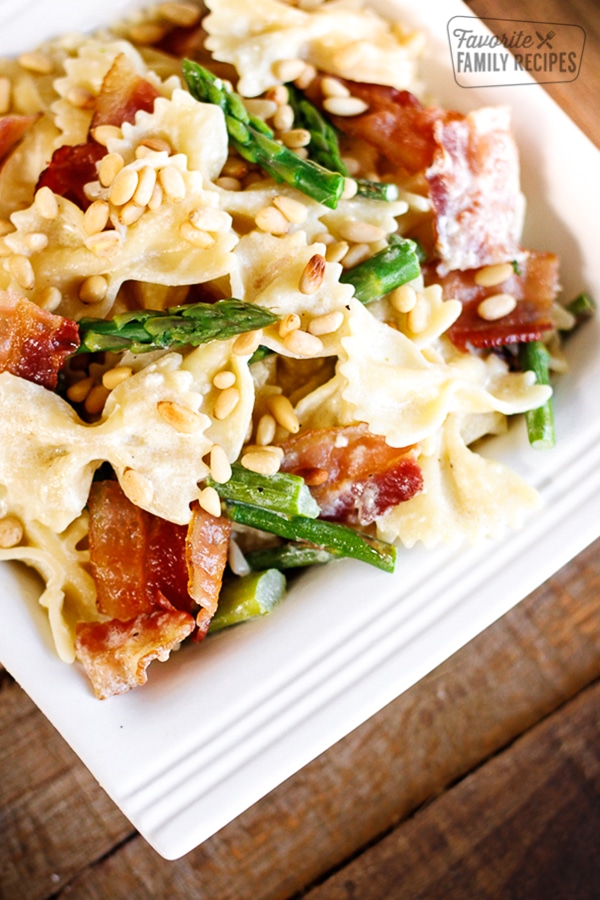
(221, 725)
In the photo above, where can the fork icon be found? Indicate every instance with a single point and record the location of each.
(545, 40)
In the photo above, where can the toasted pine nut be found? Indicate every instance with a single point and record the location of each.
(283, 412)
(201, 239)
(146, 33)
(327, 323)
(179, 417)
(11, 532)
(172, 183)
(306, 77)
(80, 97)
(283, 119)
(36, 241)
(294, 211)
(245, 344)
(36, 62)
(350, 189)
(403, 298)
(156, 145)
(130, 213)
(356, 254)
(224, 379)
(93, 289)
(145, 187)
(336, 251)
(295, 138)
(114, 377)
(103, 244)
(323, 237)
(50, 298)
(271, 220)
(491, 276)
(109, 167)
(234, 168)
(265, 430)
(210, 219)
(227, 183)
(95, 218)
(260, 461)
(102, 134)
(359, 232)
(137, 487)
(93, 190)
(220, 467)
(78, 392)
(226, 402)
(332, 87)
(210, 501)
(418, 317)
(289, 323)
(22, 271)
(156, 199)
(496, 307)
(313, 274)
(183, 15)
(95, 400)
(260, 107)
(5, 95)
(279, 94)
(288, 69)
(123, 187)
(345, 106)
(46, 203)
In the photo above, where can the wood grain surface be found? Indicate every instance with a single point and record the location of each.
(481, 781)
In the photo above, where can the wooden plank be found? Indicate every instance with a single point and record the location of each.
(525, 825)
(511, 676)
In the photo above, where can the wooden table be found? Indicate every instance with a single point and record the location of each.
(482, 781)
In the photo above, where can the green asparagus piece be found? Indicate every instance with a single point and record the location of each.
(381, 273)
(282, 492)
(287, 556)
(255, 142)
(149, 329)
(338, 540)
(582, 307)
(534, 356)
(248, 596)
(324, 146)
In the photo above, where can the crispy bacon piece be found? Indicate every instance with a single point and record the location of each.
(206, 549)
(34, 343)
(70, 168)
(474, 189)
(115, 654)
(535, 289)
(353, 475)
(12, 129)
(122, 94)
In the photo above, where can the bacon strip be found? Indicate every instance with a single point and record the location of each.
(70, 168)
(535, 289)
(12, 129)
(206, 550)
(353, 475)
(34, 343)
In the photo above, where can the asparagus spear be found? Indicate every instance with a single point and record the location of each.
(255, 142)
(287, 556)
(282, 492)
(247, 597)
(381, 273)
(148, 329)
(534, 356)
(324, 146)
(337, 540)
(582, 306)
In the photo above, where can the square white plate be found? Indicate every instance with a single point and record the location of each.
(221, 725)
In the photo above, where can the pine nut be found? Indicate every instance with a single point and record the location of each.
(103, 244)
(326, 324)
(417, 319)
(279, 94)
(268, 448)
(114, 377)
(283, 412)
(80, 98)
(95, 400)
(210, 501)
(36, 241)
(39, 63)
(345, 106)
(137, 487)
(359, 232)
(323, 237)
(300, 152)
(228, 183)
(313, 274)
(93, 190)
(271, 220)
(356, 254)
(265, 430)
(130, 213)
(352, 164)
(22, 271)
(306, 77)
(245, 344)
(210, 219)
(50, 298)
(146, 33)
(283, 119)
(220, 467)
(195, 237)
(11, 532)
(179, 417)
(156, 199)
(260, 107)
(225, 403)
(145, 186)
(224, 379)
(172, 183)
(294, 211)
(183, 15)
(403, 298)
(46, 203)
(102, 134)
(496, 307)
(295, 138)
(289, 323)
(235, 168)
(123, 187)
(93, 289)
(260, 461)
(350, 189)
(95, 218)
(336, 251)
(155, 145)
(491, 276)
(5, 95)
(288, 69)
(332, 87)
(236, 559)
(77, 392)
